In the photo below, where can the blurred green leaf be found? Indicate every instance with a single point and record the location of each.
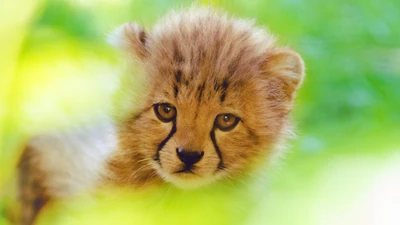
(348, 110)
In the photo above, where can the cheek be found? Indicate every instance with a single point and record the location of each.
(209, 164)
(239, 149)
(151, 134)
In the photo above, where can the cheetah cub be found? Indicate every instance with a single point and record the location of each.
(217, 103)
(219, 99)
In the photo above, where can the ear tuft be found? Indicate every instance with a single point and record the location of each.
(131, 38)
(287, 67)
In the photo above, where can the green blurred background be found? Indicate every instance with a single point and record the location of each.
(343, 168)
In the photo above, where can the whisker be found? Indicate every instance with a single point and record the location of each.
(137, 171)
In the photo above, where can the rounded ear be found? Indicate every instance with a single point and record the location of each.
(284, 69)
(130, 38)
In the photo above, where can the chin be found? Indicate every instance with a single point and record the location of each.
(187, 180)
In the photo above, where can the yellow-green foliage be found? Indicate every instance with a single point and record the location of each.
(56, 69)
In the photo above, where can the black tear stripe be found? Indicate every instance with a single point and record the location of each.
(161, 145)
(217, 150)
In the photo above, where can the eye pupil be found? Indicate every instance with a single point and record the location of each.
(167, 109)
(226, 118)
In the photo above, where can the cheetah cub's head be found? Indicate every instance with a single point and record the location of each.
(219, 98)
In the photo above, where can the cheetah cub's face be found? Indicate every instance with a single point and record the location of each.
(220, 93)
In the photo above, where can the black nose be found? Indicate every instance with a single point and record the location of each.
(189, 157)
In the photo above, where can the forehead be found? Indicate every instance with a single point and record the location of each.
(205, 50)
(204, 62)
(195, 91)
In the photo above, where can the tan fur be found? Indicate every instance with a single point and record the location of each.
(205, 63)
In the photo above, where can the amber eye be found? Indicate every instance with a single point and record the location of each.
(226, 122)
(165, 112)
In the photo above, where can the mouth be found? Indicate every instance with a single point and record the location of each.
(186, 169)
(187, 177)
